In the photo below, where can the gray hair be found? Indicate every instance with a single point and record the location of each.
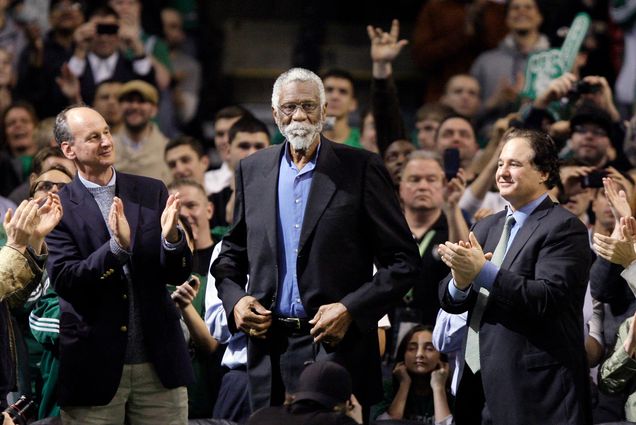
(301, 75)
(424, 154)
(61, 130)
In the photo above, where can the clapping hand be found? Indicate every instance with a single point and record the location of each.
(50, 215)
(465, 260)
(170, 218)
(118, 224)
(618, 248)
(21, 225)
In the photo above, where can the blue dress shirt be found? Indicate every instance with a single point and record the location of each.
(293, 192)
(488, 272)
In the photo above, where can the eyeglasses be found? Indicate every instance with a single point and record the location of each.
(47, 186)
(290, 108)
(596, 131)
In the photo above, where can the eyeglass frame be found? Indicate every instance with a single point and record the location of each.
(59, 185)
(598, 131)
(302, 105)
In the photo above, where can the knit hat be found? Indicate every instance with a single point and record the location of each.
(592, 114)
(324, 382)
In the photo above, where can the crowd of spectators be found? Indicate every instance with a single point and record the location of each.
(472, 56)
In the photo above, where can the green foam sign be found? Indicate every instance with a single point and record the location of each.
(547, 65)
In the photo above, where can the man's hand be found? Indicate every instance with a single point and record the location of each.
(630, 341)
(251, 317)
(21, 225)
(617, 198)
(558, 88)
(454, 190)
(186, 292)
(354, 409)
(571, 177)
(331, 323)
(602, 98)
(7, 419)
(82, 37)
(385, 47)
(118, 224)
(69, 84)
(170, 218)
(618, 251)
(130, 35)
(50, 215)
(465, 260)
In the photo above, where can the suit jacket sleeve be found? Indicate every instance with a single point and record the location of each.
(231, 266)
(395, 251)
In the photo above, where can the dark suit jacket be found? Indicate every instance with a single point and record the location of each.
(123, 72)
(93, 292)
(352, 219)
(533, 364)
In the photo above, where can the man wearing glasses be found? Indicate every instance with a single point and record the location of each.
(311, 217)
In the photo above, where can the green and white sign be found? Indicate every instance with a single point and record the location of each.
(545, 66)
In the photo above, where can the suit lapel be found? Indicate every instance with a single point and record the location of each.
(127, 192)
(528, 229)
(85, 209)
(323, 186)
(268, 194)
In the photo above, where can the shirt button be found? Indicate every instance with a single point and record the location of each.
(298, 300)
(124, 297)
(298, 201)
(123, 328)
(295, 250)
(297, 226)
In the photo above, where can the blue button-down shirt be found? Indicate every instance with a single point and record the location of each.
(488, 273)
(293, 192)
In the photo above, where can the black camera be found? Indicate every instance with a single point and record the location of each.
(22, 410)
(107, 29)
(593, 179)
(582, 87)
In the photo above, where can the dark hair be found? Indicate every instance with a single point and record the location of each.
(546, 156)
(536, 3)
(233, 111)
(103, 83)
(185, 141)
(452, 116)
(399, 355)
(42, 155)
(57, 167)
(21, 104)
(436, 111)
(103, 11)
(247, 124)
(61, 130)
(340, 73)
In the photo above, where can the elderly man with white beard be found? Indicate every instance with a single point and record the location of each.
(311, 218)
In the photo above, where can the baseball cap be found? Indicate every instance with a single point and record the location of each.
(147, 91)
(324, 382)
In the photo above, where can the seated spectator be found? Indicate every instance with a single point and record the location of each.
(461, 94)
(19, 122)
(106, 102)
(427, 120)
(140, 144)
(44, 160)
(418, 390)
(341, 101)
(323, 398)
(97, 56)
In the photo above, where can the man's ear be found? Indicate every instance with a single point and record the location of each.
(67, 151)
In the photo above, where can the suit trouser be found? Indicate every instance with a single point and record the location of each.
(140, 399)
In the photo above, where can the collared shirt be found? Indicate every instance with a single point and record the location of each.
(488, 272)
(103, 69)
(293, 192)
(90, 184)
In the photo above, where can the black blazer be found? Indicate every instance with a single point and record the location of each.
(93, 292)
(533, 364)
(352, 219)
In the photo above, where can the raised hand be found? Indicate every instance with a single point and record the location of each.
(50, 215)
(21, 225)
(558, 88)
(385, 46)
(617, 198)
(170, 218)
(618, 250)
(454, 190)
(69, 84)
(118, 224)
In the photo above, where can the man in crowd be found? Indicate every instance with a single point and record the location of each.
(97, 56)
(106, 102)
(341, 101)
(140, 143)
(455, 131)
(461, 94)
(524, 298)
(122, 353)
(312, 216)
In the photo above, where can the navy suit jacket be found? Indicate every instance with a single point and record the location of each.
(533, 364)
(352, 219)
(92, 287)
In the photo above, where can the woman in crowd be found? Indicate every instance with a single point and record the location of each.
(418, 390)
